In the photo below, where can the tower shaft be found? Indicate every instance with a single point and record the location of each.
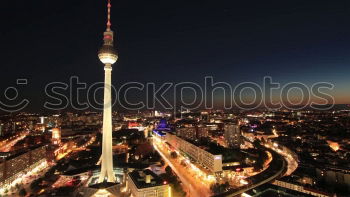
(107, 154)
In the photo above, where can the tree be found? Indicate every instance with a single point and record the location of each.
(260, 161)
(162, 162)
(22, 192)
(256, 143)
(177, 189)
(65, 191)
(218, 188)
(168, 170)
(35, 184)
(173, 155)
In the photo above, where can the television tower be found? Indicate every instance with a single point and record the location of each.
(108, 56)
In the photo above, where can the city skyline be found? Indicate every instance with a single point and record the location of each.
(232, 42)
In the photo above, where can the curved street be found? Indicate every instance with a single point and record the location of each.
(275, 170)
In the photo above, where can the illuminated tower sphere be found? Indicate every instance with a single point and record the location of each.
(108, 56)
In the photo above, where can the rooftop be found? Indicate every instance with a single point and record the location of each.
(145, 178)
(268, 190)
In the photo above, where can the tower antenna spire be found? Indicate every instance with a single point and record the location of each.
(109, 5)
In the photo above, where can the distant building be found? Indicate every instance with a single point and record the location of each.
(162, 126)
(334, 176)
(145, 183)
(192, 133)
(202, 132)
(186, 132)
(136, 125)
(204, 116)
(232, 135)
(305, 191)
(56, 136)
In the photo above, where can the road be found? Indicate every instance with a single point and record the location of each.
(194, 187)
(288, 156)
(8, 144)
(276, 169)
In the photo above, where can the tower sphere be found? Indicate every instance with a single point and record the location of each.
(107, 54)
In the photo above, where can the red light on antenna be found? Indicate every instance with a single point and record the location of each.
(164, 182)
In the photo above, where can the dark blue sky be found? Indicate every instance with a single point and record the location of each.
(159, 41)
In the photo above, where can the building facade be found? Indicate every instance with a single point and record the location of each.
(17, 165)
(301, 189)
(192, 133)
(186, 132)
(232, 135)
(211, 161)
(56, 136)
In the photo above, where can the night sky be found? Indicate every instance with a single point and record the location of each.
(172, 41)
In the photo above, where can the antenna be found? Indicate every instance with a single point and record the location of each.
(109, 16)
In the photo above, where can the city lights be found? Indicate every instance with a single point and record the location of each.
(209, 99)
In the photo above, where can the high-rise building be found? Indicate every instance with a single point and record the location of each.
(232, 135)
(108, 56)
